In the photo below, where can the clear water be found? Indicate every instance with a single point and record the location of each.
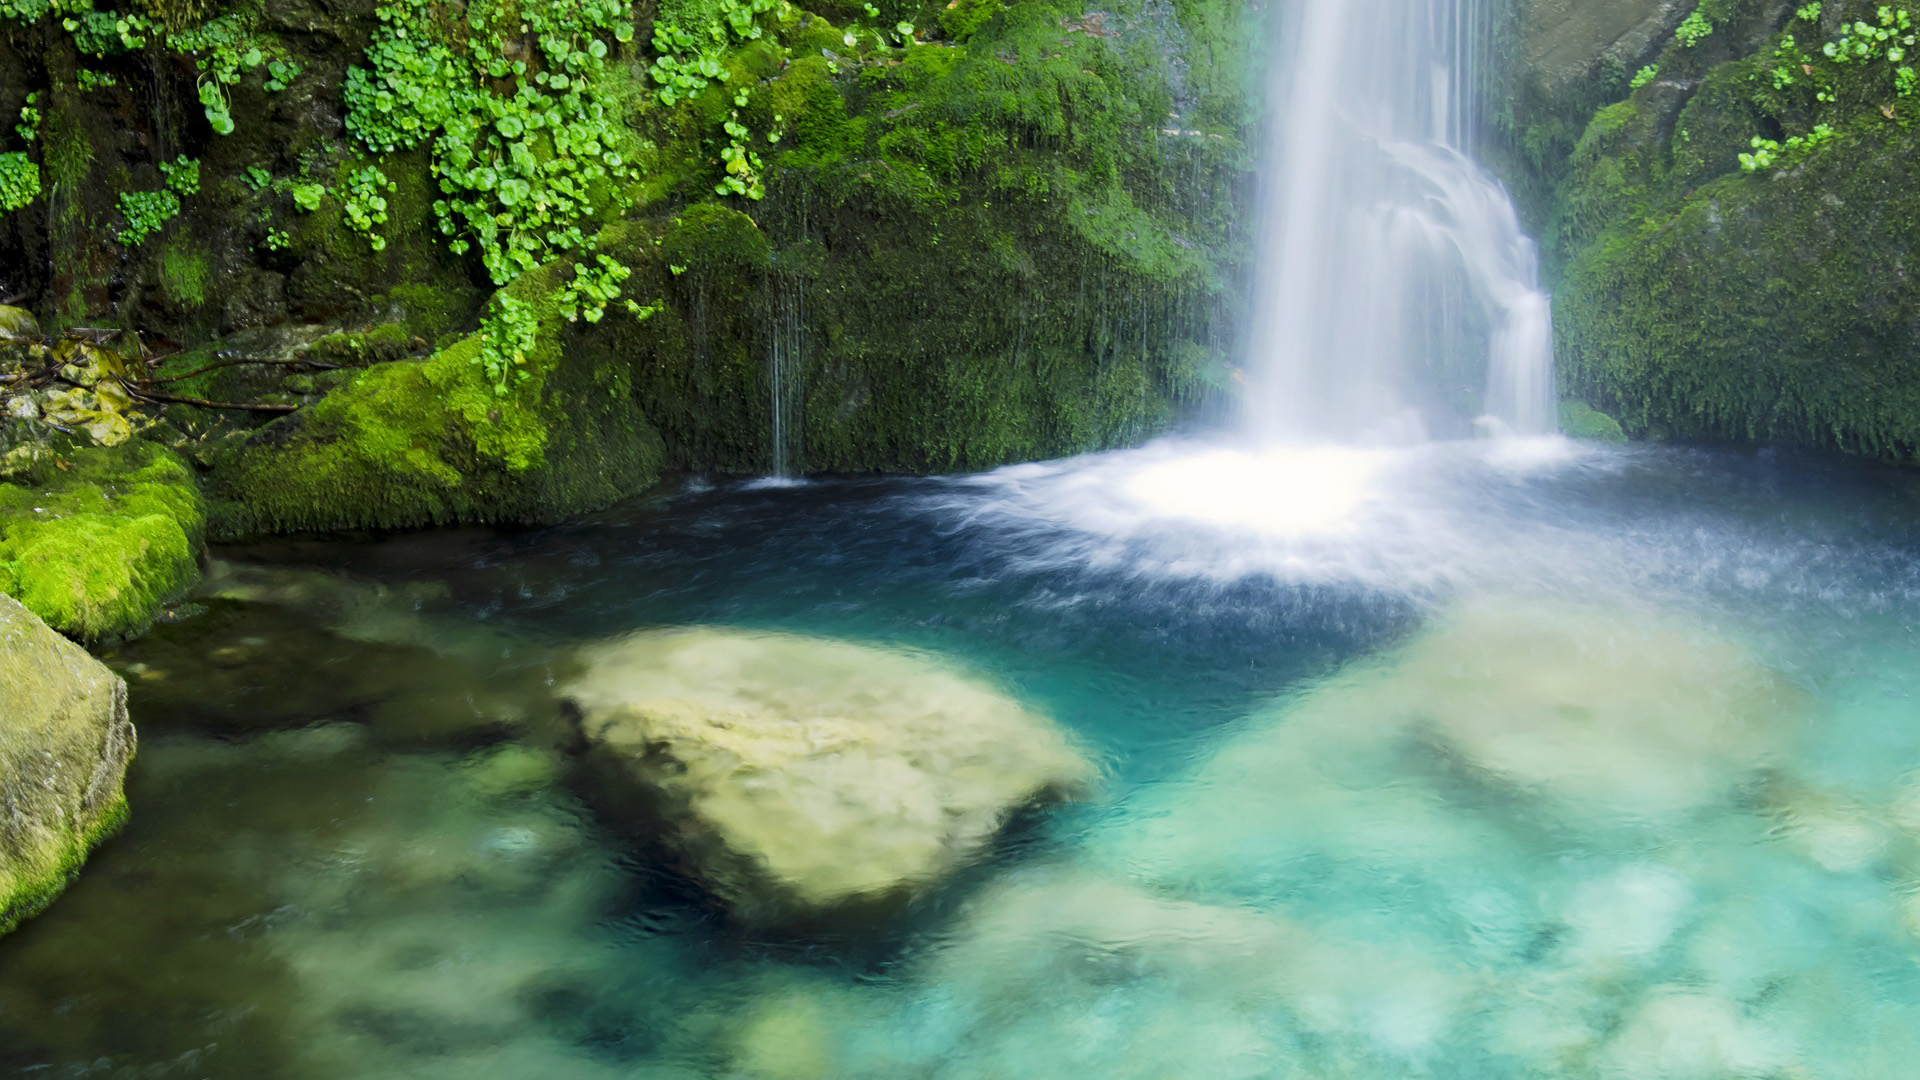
(1479, 761)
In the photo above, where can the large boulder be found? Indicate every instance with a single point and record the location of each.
(796, 776)
(65, 742)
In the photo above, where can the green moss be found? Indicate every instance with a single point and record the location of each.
(33, 896)
(1761, 308)
(96, 547)
(388, 341)
(1703, 302)
(430, 312)
(426, 442)
(184, 274)
(1578, 420)
(964, 18)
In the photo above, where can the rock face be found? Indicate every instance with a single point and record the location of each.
(65, 742)
(795, 776)
(1565, 38)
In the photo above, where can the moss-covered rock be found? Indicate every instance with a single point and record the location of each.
(429, 441)
(65, 742)
(1700, 299)
(1578, 420)
(95, 540)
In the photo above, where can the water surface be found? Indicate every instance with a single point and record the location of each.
(1479, 760)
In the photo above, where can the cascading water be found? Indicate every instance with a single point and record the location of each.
(1391, 265)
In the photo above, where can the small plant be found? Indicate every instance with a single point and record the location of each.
(89, 80)
(19, 181)
(507, 338)
(1693, 29)
(147, 212)
(593, 288)
(365, 205)
(306, 197)
(1768, 152)
(29, 125)
(742, 165)
(1645, 76)
(277, 240)
(228, 48)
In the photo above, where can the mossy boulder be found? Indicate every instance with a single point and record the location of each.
(94, 540)
(1700, 299)
(431, 441)
(1762, 307)
(800, 778)
(1578, 420)
(65, 742)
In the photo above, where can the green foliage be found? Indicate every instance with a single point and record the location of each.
(507, 340)
(366, 207)
(19, 181)
(1694, 29)
(691, 52)
(1645, 76)
(1768, 152)
(527, 145)
(94, 548)
(29, 125)
(307, 197)
(147, 212)
(227, 49)
(1865, 70)
(89, 80)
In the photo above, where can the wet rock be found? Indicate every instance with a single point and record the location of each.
(795, 776)
(1566, 39)
(65, 742)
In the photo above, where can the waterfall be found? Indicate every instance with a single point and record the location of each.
(1394, 282)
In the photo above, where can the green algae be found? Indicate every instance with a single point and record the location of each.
(65, 743)
(1578, 420)
(95, 540)
(34, 895)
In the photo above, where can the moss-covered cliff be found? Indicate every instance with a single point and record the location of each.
(899, 237)
(1713, 286)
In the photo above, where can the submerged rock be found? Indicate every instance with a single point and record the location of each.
(1570, 717)
(65, 742)
(795, 775)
